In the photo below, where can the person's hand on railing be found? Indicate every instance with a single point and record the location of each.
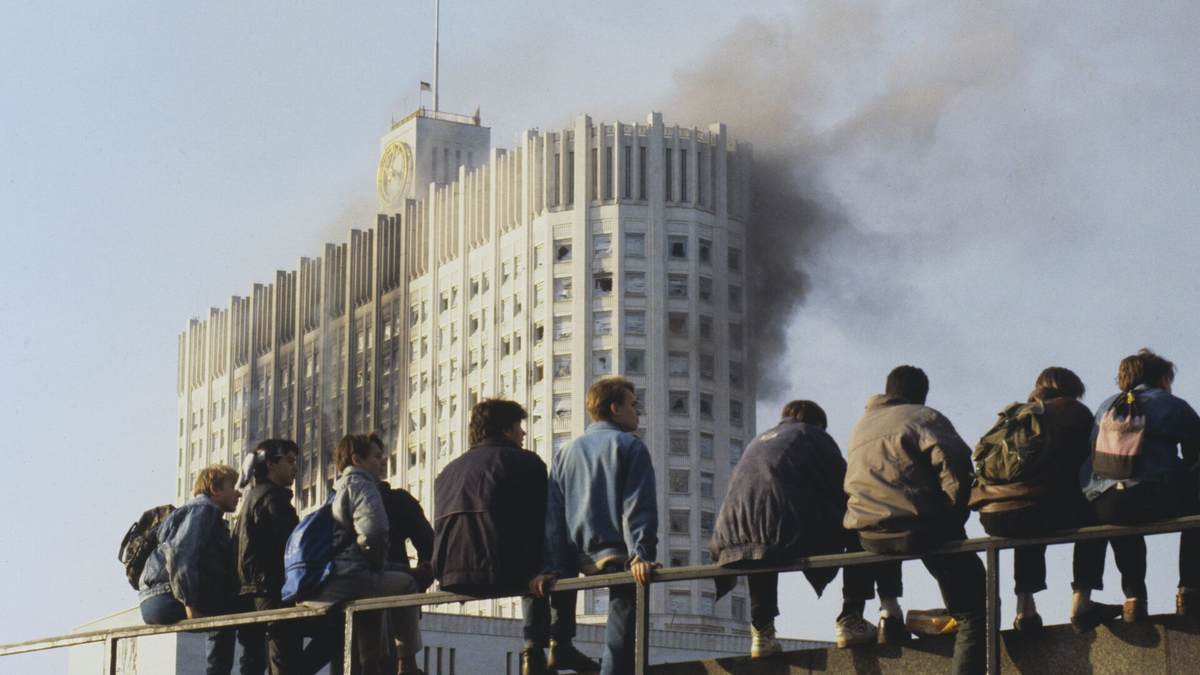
(538, 585)
(643, 572)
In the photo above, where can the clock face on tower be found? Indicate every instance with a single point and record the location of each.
(395, 173)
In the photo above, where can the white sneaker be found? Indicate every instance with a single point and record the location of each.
(763, 642)
(855, 630)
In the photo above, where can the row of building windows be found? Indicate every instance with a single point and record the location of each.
(635, 247)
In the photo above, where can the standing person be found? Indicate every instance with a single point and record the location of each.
(490, 515)
(1162, 484)
(602, 512)
(360, 538)
(1047, 498)
(908, 479)
(786, 501)
(190, 574)
(260, 534)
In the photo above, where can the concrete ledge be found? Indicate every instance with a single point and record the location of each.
(1164, 644)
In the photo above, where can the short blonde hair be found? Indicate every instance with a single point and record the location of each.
(212, 477)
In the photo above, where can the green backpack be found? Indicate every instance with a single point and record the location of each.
(1015, 448)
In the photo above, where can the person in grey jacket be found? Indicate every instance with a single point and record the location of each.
(190, 574)
(908, 479)
(360, 538)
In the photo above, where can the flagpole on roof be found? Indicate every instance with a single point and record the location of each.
(437, 14)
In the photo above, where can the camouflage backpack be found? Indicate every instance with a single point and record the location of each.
(1015, 447)
(140, 541)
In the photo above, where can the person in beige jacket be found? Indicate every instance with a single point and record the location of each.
(908, 478)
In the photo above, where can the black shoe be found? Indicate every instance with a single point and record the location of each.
(893, 631)
(1028, 625)
(533, 661)
(565, 656)
(1095, 615)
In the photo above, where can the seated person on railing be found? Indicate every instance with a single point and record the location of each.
(360, 540)
(1160, 485)
(490, 515)
(190, 575)
(261, 531)
(1045, 497)
(602, 512)
(406, 523)
(786, 501)
(908, 478)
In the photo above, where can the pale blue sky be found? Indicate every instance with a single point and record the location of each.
(1016, 188)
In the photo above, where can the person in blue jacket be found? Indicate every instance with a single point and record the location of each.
(602, 512)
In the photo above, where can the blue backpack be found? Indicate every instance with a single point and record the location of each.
(308, 558)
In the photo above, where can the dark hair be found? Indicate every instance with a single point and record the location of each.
(1063, 380)
(1144, 367)
(354, 445)
(806, 411)
(605, 394)
(909, 383)
(491, 417)
(272, 449)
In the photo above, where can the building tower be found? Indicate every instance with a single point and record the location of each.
(528, 274)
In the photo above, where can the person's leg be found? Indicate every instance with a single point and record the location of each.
(1130, 556)
(219, 651)
(1189, 560)
(1029, 571)
(285, 642)
(619, 633)
(562, 616)
(162, 610)
(406, 621)
(764, 599)
(327, 645)
(535, 621)
(963, 582)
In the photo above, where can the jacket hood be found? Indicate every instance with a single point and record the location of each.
(884, 400)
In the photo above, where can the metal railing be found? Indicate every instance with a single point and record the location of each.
(989, 546)
(437, 115)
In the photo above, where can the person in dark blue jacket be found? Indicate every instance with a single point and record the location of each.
(191, 572)
(489, 516)
(1162, 485)
(602, 512)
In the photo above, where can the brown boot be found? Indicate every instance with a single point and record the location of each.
(1134, 610)
(1187, 603)
(565, 656)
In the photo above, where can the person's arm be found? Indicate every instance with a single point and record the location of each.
(420, 532)
(950, 457)
(370, 523)
(282, 519)
(554, 541)
(185, 551)
(641, 504)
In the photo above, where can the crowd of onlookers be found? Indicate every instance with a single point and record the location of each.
(504, 523)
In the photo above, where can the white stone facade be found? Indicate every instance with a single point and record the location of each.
(597, 249)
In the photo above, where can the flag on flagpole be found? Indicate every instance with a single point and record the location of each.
(425, 87)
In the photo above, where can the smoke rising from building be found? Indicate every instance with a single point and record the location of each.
(910, 155)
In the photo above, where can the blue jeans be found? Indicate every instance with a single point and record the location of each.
(619, 634)
(552, 617)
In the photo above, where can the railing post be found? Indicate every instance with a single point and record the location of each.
(641, 645)
(348, 648)
(110, 656)
(993, 610)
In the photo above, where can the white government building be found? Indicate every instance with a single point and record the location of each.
(527, 274)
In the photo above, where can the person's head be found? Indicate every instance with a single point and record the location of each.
(362, 450)
(496, 418)
(219, 483)
(807, 412)
(1062, 380)
(909, 383)
(275, 460)
(614, 399)
(1148, 368)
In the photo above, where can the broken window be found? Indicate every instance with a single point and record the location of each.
(562, 406)
(602, 362)
(677, 364)
(602, 283)
(706, 405)
(635, 361)
(562, 288)
(678, 402)
(707, 365)
(706, 446)
(677, 285)
(601, 245)
(562, 366)
(679, 443)
(562, 250)
(635, 323)
(677, 325)
(562, 327)
(602, 323)
(679, 481)
(677, 248)
(705, 250)
(705, 290)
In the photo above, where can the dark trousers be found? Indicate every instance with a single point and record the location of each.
(1141, 503)
(285, 641)
(764, 598)
(963, 583)
(219, 649)
(549, 618)
(1029, 562)
(860, 581)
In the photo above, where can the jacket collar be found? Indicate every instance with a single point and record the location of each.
(603, 425)
(493, 441)
(358, 471)
(885, 400)
(1046, 394)
(204, 500)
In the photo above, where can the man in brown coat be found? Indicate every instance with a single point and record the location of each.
(908, 478)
